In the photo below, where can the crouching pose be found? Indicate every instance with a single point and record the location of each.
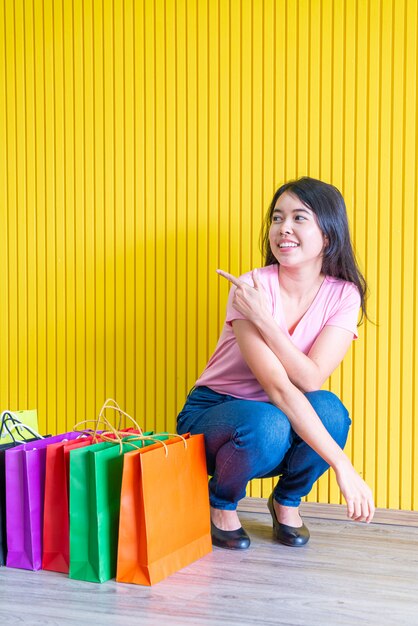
(259, 401)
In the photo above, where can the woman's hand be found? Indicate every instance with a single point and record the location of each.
(358, 495)
(249, 301)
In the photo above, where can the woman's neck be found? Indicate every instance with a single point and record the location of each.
(298, 283)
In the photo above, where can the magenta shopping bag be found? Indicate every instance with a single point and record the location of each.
(25, 484)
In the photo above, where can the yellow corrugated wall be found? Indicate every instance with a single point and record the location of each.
(140, 144)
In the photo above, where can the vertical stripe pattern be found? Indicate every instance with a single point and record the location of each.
(141, 142)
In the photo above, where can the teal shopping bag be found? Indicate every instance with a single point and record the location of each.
(94, 503)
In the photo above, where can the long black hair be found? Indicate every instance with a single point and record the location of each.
(329, 207)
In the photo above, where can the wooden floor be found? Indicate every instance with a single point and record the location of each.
(349, 573)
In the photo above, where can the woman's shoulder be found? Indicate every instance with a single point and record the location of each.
(266, 274)
(341, 289)
(340, 283)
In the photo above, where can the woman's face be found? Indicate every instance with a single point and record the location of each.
(295, 236)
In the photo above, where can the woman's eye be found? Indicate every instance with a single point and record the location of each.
(277, 219)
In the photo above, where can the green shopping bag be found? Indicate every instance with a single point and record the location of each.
(95, 486)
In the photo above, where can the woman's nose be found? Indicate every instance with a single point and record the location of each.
(286, 227)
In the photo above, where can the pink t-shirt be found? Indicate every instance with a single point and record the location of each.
(337, 303)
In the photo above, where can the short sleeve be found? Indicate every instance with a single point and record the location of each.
(347, 311)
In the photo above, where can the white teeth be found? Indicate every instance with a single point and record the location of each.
(288, 244)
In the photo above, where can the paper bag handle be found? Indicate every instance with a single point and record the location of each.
(132, 439)
(17, 424)
(112, 404)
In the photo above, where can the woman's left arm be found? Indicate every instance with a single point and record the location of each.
(307, 372)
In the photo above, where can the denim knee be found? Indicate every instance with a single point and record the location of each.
(332, 413)
(267, 437)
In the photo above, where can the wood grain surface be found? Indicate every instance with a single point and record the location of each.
(336, 512)
(348, 574)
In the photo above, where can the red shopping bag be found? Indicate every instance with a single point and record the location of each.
(56, 549)
(163, 486)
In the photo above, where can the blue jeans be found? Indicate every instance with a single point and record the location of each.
(245, 439)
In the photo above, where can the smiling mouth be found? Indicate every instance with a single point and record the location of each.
(288, 245)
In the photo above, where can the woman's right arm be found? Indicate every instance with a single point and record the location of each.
(272, 376)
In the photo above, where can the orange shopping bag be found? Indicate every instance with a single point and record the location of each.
(164, 521)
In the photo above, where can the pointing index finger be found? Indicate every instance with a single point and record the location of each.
(233, 279)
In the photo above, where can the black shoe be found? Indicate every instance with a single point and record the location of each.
(288, 535)
(230, 539)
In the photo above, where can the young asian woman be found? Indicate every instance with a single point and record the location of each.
(259, 401)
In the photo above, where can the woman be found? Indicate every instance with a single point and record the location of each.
(258, 402)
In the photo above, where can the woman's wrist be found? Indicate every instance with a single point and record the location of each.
(341, 462)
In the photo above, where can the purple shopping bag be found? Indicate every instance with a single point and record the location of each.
(25, 484)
